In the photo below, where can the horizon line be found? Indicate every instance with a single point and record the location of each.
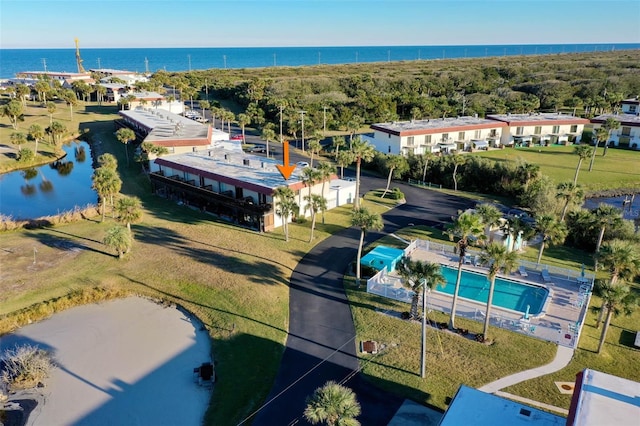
(328, 46)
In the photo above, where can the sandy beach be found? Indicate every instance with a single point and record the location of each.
(126, 361)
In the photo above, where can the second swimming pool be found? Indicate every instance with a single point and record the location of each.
(507, 294)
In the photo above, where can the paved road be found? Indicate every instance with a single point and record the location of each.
(321, 344)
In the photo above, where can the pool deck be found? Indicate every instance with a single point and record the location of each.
(556, 324)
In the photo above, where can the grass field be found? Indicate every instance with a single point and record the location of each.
(619, 169)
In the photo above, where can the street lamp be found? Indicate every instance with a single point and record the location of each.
(302, 113)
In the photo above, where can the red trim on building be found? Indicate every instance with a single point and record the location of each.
(435, 131)
(575, 399)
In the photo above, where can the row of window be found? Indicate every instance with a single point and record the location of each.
(538, 130)
(477, 134)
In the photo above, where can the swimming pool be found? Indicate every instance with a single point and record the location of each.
(507, 294)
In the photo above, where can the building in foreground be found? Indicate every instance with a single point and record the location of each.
(470, 406)
(236, 186)
(628, 134)
(602, 399)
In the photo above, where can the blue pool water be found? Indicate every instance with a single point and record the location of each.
(507, 294)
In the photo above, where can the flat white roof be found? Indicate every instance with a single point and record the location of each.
(537, 117)
(166, 125)
(604, 399)
(434, 124)
(624, 119)
(473, 407)
(238, 165)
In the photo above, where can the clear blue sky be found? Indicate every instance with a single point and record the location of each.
(244, 23)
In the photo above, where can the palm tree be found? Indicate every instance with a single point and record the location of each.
(570, 194)
(515, 228)
(125, 135)
(606, 216)
(285, 206)
(106, 182)
(268, 134)
(333, 404)
(610, 124)
(602, 135)
(337, 143)
(361, 151)
(467, 225)
(458, 160)
(490, 216)
(417, 275)
(204, 105)
(498, 258)
(426, 157)
(14, 110)
(344, 159)
(310, 176)
(583, 152)
(108, 160)
(56, 130)
(243, 120)
(18, 138)
(616, 300)
(325, 171)
(315, 203)
(36, 132)
(365, 220)
(314, 147)
(69, 96)
(51, 108)
(100, 92)
(119, 239)
(621, 258)
(129, 210)
(551, 231)
(397, 165)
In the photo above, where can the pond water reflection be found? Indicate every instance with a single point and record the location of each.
(50, 189)
(629, 205)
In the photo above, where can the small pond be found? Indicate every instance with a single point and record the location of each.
(630, 205)
(50, 189)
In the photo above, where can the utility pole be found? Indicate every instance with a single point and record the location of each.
(281, 107)
(224, 60)
(44, 63)
(99, 67)
(189, 58)
(302, 113)
(324, 121)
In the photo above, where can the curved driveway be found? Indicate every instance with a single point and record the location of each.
(321, 343)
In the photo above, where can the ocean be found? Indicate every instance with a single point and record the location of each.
(13, 61)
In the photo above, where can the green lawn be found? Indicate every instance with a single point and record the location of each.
(619, 169)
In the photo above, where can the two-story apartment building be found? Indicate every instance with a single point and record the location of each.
(628, 134)
(436, 135)
(540, 128)
(237, 186)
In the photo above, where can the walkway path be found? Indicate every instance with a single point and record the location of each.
(321, 344)
(562, 359)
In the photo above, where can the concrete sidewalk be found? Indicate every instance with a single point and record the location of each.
(562, 359)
